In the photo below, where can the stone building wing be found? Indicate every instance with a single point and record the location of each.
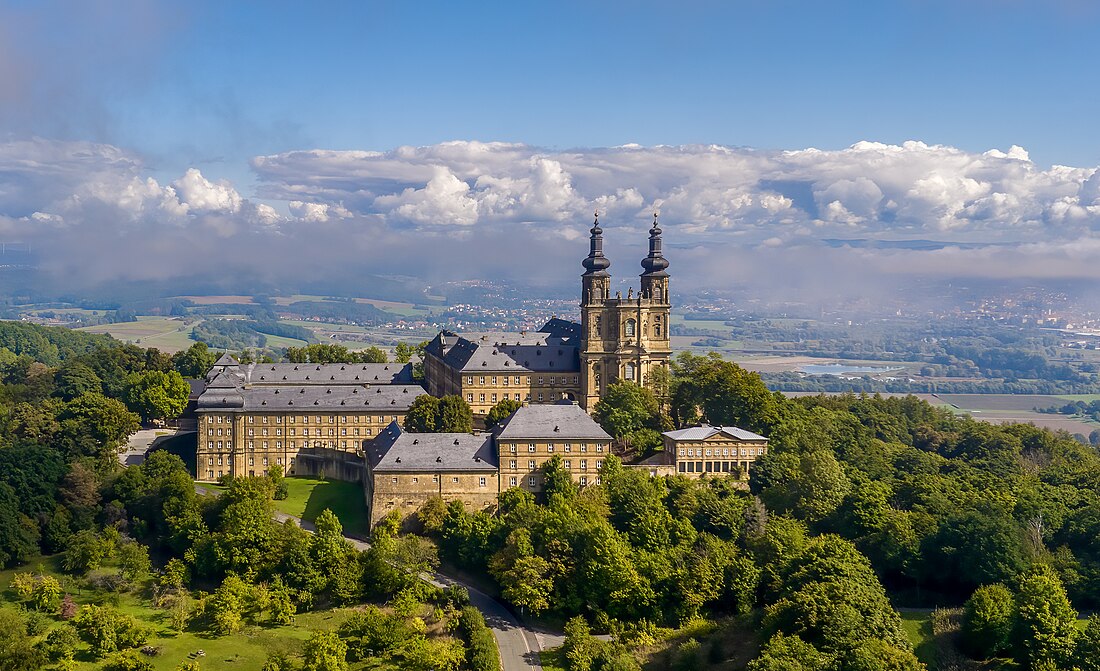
(562, 421)
(398, 451)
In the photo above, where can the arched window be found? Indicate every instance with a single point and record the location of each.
(629, 327)
(656, 327)
(628, 371)
(657, 293)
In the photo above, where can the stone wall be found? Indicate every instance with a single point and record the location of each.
(407, 492)
(333, 464)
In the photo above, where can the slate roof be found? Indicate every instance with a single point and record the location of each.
(506, 352)
(703, 432)
(558, 421)
(327, 373)
(563, 328)
(394, 450)
(374, 387)
(226, 360)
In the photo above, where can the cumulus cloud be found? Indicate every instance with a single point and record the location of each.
(730, 214)
(870, 189)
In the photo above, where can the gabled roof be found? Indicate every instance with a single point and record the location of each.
(226, 360)
(395, 450)
(704, 431)
(565, 421)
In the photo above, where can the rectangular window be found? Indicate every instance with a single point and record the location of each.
(599, 465)
(251, 420)
(512, 448)
(494, 399)
(482, 380)
(469, 379)
(517, 379)
(517, 397)
(469, 398)
(549, 447)
(531, 465)
(540, 397)
(265, 419)
(394, 481)
(454, 480)
(540, 380)
(494, 378)
(416, 480)
(481, 482)
(482, 398)
(512, 481)
(531, 481)
(512, 464)
(568, 463)
(584, 464)
(530, 447)
(584, 481)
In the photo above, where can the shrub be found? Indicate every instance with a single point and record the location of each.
(481, 646)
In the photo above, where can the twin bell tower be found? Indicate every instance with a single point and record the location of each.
(622, 338)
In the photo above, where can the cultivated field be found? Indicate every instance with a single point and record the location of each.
(168, 334)
(1006, 408)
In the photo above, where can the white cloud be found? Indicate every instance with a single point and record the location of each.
(202, 195)
(715, 203)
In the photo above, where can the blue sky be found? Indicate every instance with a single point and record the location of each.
(257, 122)
(227, 80)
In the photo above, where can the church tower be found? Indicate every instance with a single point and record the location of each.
(622, 338)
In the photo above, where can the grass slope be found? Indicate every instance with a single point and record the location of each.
(307, 497)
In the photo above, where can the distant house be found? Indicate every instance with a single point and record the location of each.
(713, 449)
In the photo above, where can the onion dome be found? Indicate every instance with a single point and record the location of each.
(596, 263)
(655, 263)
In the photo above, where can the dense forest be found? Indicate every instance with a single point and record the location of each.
(862, 506)
(111, 561)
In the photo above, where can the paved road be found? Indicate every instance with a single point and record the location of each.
(519, 645)
(139, 443)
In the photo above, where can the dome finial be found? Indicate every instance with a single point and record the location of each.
(596, 263)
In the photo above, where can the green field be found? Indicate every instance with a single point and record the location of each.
(168, 334)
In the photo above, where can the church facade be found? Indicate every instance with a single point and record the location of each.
(618, 338)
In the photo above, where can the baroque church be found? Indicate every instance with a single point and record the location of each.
(618, 338)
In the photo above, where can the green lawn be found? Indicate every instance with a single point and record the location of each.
(307, 497)
(918, 627)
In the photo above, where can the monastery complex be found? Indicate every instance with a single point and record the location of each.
(345, 420)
